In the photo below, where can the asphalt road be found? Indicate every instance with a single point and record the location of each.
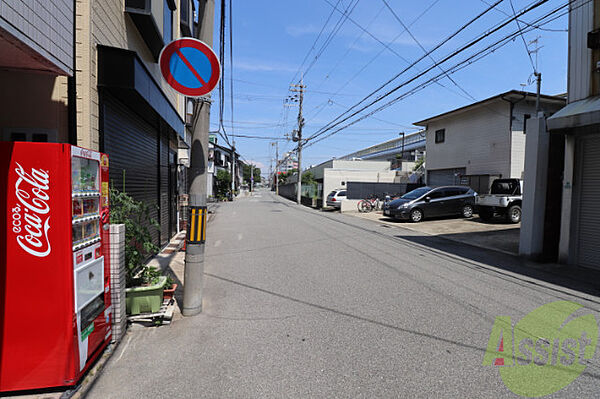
(306, 304)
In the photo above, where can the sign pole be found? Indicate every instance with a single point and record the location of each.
(194, 254)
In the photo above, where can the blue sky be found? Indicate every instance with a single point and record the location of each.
(271, 39)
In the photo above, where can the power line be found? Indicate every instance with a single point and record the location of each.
(314, 43)
(525, 23)
(470, 60)
(345, 17)
(473, 58)
(522, 37)
(373, 59)
(440, 44)
(423, 48)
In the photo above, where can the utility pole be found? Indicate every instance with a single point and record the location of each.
(276, 144)
(194, 253)
(299, 88)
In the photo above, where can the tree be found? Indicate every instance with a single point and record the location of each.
(246, 172)
(222, 183)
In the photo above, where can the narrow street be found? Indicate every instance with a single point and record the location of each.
(301, 304)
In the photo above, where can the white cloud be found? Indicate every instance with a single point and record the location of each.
(262, 66)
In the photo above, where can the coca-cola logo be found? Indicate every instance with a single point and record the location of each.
(86, 153)
(31, 215)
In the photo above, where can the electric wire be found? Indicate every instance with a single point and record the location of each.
(470, 44)
(462, 64)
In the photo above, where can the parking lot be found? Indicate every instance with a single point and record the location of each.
(497, 235)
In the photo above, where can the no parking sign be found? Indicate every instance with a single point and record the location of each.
(190, 67)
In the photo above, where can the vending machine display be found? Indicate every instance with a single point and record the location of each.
(55, 312)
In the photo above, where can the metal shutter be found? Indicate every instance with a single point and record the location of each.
(588, 237)
(131, 144)
(445, 177)
(164, 187)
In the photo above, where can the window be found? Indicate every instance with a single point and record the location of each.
(440, 136)
(167, 22)
(341, 194)
(525, 117)
(29, 134)
(436, 194)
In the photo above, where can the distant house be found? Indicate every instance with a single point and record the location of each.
(474, 144)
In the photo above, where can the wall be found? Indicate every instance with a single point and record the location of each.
(477, 140)
(580, 57)
(106, 23)
(333, 178)
(37, 101)
(517, 157)
(44, 25)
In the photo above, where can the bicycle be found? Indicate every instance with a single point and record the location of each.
(370, 204)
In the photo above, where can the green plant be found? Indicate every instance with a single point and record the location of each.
(222, 183)
(135, 215)
(419, 163)
(169, 282)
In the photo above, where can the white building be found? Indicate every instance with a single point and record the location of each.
(482, 141)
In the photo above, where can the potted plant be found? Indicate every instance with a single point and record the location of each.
(169, 288)
(144, 292)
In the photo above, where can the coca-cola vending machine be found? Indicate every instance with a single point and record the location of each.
(55, 313)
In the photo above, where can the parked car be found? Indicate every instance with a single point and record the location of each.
(432, 202)
(335, 198)
(504, 200)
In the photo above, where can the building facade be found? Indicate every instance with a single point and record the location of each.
(474, 144)
(579, 123)
(124, 107)
(402, 152)
(36, 70)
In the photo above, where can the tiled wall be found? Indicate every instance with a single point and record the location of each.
(117, 280)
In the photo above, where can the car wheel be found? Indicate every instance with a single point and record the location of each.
(485, 214)
(416, 215)
(467, 211)
(514, 214)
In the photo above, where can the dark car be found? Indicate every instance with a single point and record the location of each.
(432, 202)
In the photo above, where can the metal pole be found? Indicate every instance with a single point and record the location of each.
(539, 87)
(277, 168)
(194, 254)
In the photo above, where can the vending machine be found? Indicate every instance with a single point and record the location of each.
(55, 313)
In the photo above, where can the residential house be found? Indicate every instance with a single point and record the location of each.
(124, 107)
(474, 144)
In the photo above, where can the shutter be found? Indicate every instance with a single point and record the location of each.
(588, 250)
(131, 144)
(445, 177)
(164, 186)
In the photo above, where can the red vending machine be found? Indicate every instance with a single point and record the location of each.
(55, 313)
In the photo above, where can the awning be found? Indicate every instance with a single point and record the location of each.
(125, 76)
(579, 114)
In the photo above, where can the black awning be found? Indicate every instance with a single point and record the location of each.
(125, 76)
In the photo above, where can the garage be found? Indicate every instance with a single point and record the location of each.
(587, 185)
(445, 177)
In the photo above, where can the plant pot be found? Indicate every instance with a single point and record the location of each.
(169, 292)
(147, 299)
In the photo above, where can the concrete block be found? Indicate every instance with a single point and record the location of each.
(349, 206)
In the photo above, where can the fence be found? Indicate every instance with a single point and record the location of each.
(360, 190)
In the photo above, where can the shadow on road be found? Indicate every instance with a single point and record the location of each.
(572, 277)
